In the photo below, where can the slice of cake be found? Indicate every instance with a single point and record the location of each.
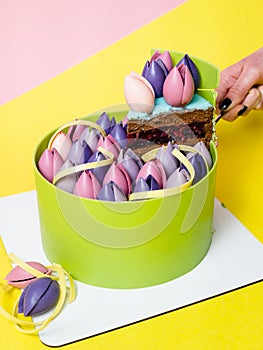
(173, 100)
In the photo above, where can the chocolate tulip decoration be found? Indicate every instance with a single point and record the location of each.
(175, 83)
(118, 175)
(155, 74)
(118, 132)
(177, 178)
(62, 143)
(75, 131)
(91, 137)
(178, 88)
(100, 172)
(111, 192)
(186, 60)
(87, 185)
(79, 152)
(67, 183)
(42, 291)
(164, 57)
(49, 163)
(38, 297)
(20, 278)
(139, 93)
(98, 165)
(201, 147)
(200, 167)
(169, 162)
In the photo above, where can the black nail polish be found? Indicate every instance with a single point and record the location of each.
(225, 103)
(242, 111)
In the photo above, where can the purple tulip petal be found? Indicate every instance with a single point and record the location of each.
(201, 147)
(176, 179)
(141, 186)
(104, 122)
(91, 137)
(152, 183)
(99, 172)
(129, 153)
(39, 296)
(79, 153)
(193, 69)
(131, 167)
(154, 73)
(111, 192)
(198, 163)
(169, 162)
(119, 134)
(67, 183)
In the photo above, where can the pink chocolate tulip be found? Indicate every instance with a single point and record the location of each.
(49, 163)
(119, 176)
(62, 143)
(87, 185)
(138, 93)
(178, 87)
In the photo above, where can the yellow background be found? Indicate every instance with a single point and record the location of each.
(221, 32)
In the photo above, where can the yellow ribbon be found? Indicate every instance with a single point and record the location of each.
(67, 295)
(175, 190)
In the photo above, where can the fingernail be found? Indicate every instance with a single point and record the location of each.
(225, 103)
(242, 111)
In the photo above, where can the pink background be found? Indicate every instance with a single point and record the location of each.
(41, 38)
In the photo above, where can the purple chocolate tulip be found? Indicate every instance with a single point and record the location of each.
(131, 167)
(201, 147)
(155, 74)
(141, 186)
(79, 152)
(119, 134)
(99, 172)
(169, 162)
(91, 137)
(199, 165)
(68, 182)
(111, 192)
(152, 183)
(177, 178)
(131, 154)
(39, 296)
(186, 60)
(104, 122)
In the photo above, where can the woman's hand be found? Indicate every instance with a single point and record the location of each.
(241, 87)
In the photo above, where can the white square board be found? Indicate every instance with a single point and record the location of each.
(235, 259)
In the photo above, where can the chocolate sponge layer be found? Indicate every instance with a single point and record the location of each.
(182, 127)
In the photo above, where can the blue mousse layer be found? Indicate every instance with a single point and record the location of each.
(160, 106)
